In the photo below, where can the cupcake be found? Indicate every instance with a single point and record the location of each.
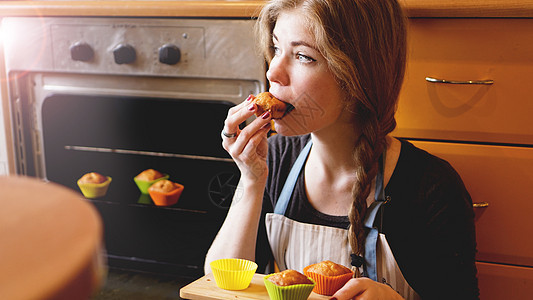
(148, 177)
(165, 192)
(329, 276)
(288, 284)
(267, 102)
(94, 185)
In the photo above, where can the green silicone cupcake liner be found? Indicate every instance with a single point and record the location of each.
(144, 185)
(290, 292)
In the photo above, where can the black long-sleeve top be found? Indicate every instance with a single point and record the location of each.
(428, 222)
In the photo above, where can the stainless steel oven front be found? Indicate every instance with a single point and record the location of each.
(120, 95)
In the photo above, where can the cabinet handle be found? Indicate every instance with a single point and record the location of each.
(480, 204)
(437, 80)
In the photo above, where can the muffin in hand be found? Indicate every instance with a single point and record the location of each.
(267, 102)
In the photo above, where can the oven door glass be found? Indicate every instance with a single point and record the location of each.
(122, 136)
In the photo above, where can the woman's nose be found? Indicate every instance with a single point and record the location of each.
(277, 72)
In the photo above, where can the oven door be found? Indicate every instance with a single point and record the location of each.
(126, 125)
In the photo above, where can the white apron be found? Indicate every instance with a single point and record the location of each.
(296, 245)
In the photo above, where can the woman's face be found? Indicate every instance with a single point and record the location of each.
(299, 74)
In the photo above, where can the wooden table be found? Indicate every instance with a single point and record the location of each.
(50, 241)
(205, 288)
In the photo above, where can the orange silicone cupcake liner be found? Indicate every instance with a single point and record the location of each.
(166, 199)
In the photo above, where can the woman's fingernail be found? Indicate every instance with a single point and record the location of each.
(249, 98)
(333, 298)
(251, 107)
(266, 115)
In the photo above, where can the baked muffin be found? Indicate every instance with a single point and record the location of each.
(165, 192)
(93, 177)
(328, 268)
(329, 276)
(149, 175)
(94, 185)
(289, 277)
(288, 285)
(163, 186)
(267, 102)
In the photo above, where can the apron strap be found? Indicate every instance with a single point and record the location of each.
(372, 235)
(286, 192)
(371, 243)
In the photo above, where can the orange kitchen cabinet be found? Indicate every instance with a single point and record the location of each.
(469, 50)
(500, 176)
(498, 282)
(483, 128)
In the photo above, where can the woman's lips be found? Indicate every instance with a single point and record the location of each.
(290, 107)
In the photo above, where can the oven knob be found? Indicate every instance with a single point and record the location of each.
(81, 52)
(169, 54)
(124, 54)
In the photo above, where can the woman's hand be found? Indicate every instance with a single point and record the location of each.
(366, 289)
(248, 147)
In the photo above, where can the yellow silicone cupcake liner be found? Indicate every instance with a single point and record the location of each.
(233, 273)
(94, 190)
(328, 285)
(289, 292)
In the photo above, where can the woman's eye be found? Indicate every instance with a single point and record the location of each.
(304, 58)
(276, 50)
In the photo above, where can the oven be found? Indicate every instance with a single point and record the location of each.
(120, 95)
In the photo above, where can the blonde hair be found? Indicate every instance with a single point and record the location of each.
(364, 42)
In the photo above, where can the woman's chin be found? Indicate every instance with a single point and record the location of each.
(287, 129)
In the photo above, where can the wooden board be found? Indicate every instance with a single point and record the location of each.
(205, 288)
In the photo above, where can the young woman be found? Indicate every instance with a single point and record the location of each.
(333, 184)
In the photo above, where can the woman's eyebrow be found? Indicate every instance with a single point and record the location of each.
(296, 43)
